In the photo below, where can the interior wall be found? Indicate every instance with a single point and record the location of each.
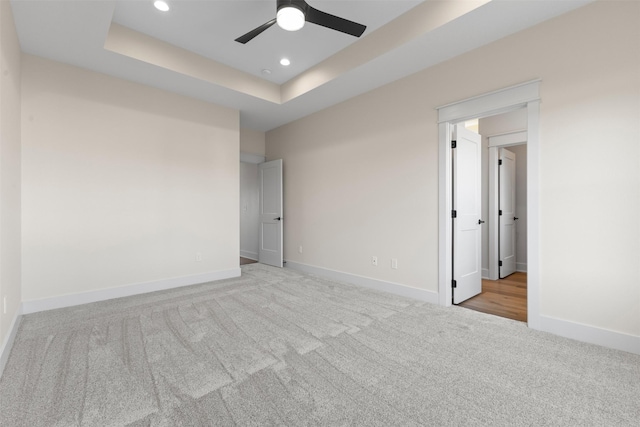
(512, 121)
(252, 141)
(356, 185)
(361, 178)
(249, 218)
(10, 212)
(122, 183)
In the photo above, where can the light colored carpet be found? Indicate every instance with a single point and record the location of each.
(279, 347)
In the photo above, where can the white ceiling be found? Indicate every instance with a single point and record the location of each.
(74, 32)
(209, 28)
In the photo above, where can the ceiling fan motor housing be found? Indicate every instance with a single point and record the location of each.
(298, 4)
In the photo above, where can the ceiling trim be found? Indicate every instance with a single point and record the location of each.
(492, 103)
(417, 22)
(86, 34)
(142, 47)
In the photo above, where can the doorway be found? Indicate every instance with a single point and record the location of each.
(500, 163)
(526, 96)
(506, 153)
(249, 200)
(260, 210)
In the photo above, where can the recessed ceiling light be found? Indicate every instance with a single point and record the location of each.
(285, 62)
(161, 5)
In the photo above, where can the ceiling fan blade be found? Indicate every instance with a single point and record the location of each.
(253, 33)
(318, 17)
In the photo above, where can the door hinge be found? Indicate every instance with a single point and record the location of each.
(499, 263)
(454, 284)
(500, 162)
(454, 213)
(500, 212)
(454, 143)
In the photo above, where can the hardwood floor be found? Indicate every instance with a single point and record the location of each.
(244, 261)
(505, 297)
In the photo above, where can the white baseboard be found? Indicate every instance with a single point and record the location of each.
(521, 266)
(8, 341)
(250, 255)
(485, 273)
(591, 334)
(380, 285)
(563, 328)
(125, 291)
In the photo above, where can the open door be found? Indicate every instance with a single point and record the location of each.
(507, 212)
(270, 232)
(467, 208)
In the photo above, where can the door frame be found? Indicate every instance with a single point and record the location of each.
(271, 257)
(254, 159)
(525, 95)
(495, 142)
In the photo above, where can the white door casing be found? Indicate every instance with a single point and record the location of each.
(270, 230)
(525, 95)
(507, 212)
(467, 205)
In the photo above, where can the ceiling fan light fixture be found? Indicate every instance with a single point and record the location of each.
(290, 18)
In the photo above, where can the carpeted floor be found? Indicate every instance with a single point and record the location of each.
(278, 347)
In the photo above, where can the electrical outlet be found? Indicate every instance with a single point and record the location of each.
(374, 261)
(198, 256)
(394, 263)
(299, 249)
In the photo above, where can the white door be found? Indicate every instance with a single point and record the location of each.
(507, 212)
(467, 223)
(270, 233)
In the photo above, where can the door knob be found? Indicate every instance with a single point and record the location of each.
(480, 221)
(277, 219)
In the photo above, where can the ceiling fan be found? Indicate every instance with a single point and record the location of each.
(292, 14)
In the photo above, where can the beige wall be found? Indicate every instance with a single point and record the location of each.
(357, 184)
(9, 170)
(122, 183)
(361, 178)
(252, 141)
